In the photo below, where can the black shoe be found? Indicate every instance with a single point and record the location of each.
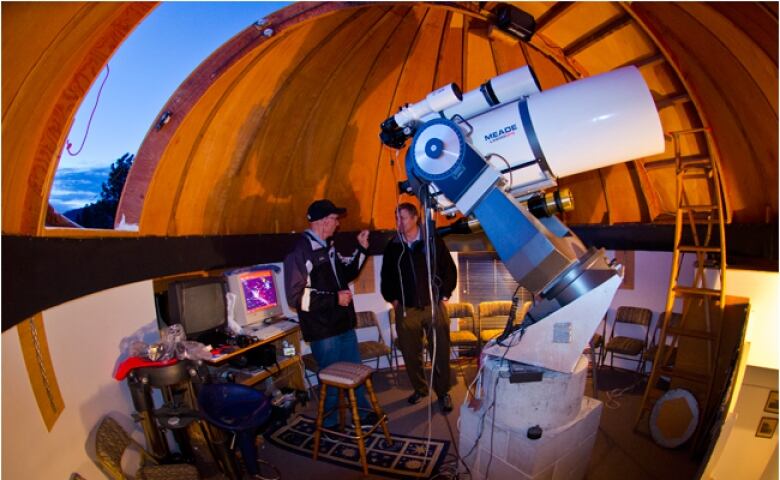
(416, 397)
(445, 403)
(369, 421)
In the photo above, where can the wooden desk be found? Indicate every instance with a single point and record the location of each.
(275, 333)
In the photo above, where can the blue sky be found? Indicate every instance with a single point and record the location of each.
(144, 72)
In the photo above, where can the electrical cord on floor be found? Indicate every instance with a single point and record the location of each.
(449, 467)
(276, 474)
(482, 421)
(462, 372)
(613, 395)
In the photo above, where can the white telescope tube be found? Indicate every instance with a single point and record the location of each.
(584, 125)
(435, 101)
(502, 89)
(596, 122)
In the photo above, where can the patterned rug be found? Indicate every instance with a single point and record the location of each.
(407, 457)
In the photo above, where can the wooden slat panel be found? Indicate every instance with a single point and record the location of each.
(661, 80)
(652, 198)
(507, 53)
(254, 171)
(20, 58)
(755, 20)
(365, 283)
(547, 17)
(40, 370)
(479, 64)
(195, 86)
(761, 68)
(579, 20)
(302, 175)
(181, 158)
(43, 106)
(311, 153)
(376, 102)
(343, 170)
(746, 137)
(548, 74)
(624, 195)
(619, 47)
(414, 83)
(597, 34)
(589, 202)
(449, 67)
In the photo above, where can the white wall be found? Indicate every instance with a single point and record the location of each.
(741, 454)
(762, 288)
(84, 337)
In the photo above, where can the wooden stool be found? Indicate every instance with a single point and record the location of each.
(349, 376)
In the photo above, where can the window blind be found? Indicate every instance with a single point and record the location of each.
(484, 278)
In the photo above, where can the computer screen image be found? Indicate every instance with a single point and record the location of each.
(257, 296)
(199, 305)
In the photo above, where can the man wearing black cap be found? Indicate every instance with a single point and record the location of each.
(316, 280)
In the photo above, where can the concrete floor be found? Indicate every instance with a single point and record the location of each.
(618, 452)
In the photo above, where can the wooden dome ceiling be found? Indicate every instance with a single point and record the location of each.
(288, 110)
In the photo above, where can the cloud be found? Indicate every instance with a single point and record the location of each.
(62, 206)
(76, 187)
(62, 191)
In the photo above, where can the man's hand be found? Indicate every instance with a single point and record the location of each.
(362, 239)
(345, 297)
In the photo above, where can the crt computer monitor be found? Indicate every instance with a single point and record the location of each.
(199, 305)
(257, 296)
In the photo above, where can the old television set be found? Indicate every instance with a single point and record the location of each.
(200, 306)
(257, 295)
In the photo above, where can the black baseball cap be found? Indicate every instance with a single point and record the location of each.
(320, 209)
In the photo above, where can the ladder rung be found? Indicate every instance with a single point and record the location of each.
(699, 208)
(685, 374)
(697, 291)
(652, 396)
(672, 161)
(696, 162)
(669, 219)
(684, 332)
(696, 176)
(694, 248)
(670, 100)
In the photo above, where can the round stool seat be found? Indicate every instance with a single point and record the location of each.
(345, 374)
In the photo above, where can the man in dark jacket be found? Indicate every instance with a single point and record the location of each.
(316, 280)
(405, 284)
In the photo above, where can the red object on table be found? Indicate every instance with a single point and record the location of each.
(131, 363)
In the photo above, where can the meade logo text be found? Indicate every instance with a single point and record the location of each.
(501, 133)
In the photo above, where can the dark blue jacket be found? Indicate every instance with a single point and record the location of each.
(312, 286)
